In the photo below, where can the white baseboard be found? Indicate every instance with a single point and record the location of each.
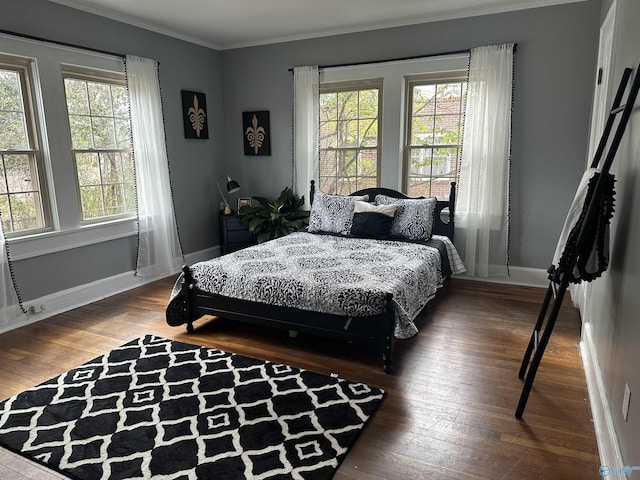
(524, 276)
(65, 300)
(608, 446)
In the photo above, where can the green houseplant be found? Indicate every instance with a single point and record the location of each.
(275, 218)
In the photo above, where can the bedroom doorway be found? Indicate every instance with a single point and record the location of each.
(581, 293)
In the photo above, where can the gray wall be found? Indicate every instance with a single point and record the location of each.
(195, 164)
(555, 66)
(553, 88)
(613, 304)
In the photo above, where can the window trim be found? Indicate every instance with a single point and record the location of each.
(423, 79)
(394, 72)
(357, 85)
(31, 246)
(25, 67)
(65, 231)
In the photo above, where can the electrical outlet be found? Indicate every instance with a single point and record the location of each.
(625, 401)
(33, 309)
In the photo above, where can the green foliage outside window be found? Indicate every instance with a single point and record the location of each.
(20, 198)
(349, 140)
(434, 139)
(100, 139)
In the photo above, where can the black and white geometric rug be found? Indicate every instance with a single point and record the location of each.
(156, 408)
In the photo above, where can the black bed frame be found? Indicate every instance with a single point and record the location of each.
(377, 329)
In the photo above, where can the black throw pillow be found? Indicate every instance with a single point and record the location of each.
(371, 225)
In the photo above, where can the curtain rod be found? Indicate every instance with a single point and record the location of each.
(62, 44)
(400, 59)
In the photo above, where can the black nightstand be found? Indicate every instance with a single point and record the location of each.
(234, 234)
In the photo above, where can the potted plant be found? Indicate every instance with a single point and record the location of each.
(275, 218)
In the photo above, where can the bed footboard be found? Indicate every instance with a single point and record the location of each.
(377, 330)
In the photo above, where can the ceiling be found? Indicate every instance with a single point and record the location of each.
(225, 24)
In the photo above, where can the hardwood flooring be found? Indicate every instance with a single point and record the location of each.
(449, 408)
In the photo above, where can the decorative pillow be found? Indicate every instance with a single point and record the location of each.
(332, 213)
(372, 221)
(414, 217)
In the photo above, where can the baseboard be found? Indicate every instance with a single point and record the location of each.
(202, 255)
(608, 446)
(65, 300)
(523, 276)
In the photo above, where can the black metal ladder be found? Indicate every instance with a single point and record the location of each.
(556, 290)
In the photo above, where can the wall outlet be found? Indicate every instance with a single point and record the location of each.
(33, 309)
(625, 401)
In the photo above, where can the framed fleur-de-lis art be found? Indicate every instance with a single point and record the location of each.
(256, 132)
(194, 114)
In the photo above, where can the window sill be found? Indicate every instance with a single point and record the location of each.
(51, 242)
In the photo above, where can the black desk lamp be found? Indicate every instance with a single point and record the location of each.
(232, 187)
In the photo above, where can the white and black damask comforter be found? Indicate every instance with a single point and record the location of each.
(332, 274)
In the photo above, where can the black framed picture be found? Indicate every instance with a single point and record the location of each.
(256, 133)
(194, 115)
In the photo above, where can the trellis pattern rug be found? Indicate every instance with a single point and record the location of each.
(156, 408)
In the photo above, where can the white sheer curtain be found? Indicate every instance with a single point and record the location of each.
(306, 118)
(482, 205)
(159, 250)
(10, 308)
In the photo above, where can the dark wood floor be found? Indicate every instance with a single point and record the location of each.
(449, 408)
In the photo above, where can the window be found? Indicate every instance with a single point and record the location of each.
(435, 111)
(349, 136)
(98, 109)
(21, 193)
(40, 196)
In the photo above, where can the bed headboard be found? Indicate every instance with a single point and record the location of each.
(440, 226)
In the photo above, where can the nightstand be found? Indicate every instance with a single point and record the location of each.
(234, 234)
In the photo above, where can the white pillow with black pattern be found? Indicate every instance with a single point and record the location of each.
(414, 217)
(332, 213)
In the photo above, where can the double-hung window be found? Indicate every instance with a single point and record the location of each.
(22, 194)
(435, 114)
(350, 133)
(98, 110)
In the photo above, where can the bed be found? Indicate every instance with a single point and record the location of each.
(361, 271)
